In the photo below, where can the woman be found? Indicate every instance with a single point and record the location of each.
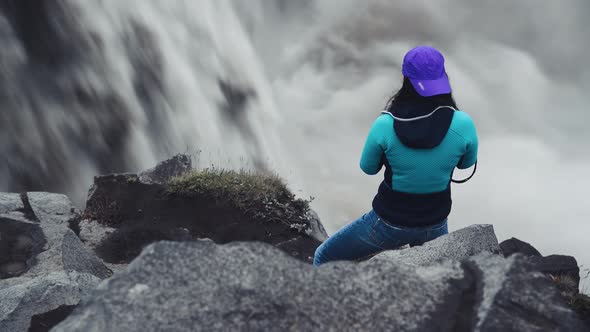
(420, 138)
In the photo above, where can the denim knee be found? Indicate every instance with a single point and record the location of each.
(317, 257)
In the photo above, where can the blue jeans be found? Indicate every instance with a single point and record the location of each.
(369, 235)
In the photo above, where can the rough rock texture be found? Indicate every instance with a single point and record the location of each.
(514, 245)
(457, 245)
(511, 296)
(63, 250)
(166, 170)
(554, 265)
(46, 264)
(12, 206)
(92, 233)
(35, 237)
(316, 229)
(255, 287)
(20, 241)
(558, 265)
(141, 211)
(24, 297)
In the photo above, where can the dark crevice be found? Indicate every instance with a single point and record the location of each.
(45, 322)
(124, 245)
(532, 316)
(74, 224)
(20, 242)
(28, 209)
(471, 297)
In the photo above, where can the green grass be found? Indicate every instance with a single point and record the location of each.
(263, 196)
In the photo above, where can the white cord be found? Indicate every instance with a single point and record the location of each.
(419, 117)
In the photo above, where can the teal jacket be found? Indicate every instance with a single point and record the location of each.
(419, 159)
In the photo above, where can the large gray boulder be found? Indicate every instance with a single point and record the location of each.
(23, 298)
(458, 246)
(202, 286)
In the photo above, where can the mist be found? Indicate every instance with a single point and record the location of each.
(293, 87)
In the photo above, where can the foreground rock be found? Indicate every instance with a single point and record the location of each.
(63, 250)
(24, 297)
(557, 266)
(458, 246)
(21, 237)
(253, 286)
(43, 263)
(136, 210)
(515, 246)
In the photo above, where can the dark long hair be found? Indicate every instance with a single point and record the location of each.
(407, 94)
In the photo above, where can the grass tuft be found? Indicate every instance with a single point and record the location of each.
(577, 301)
(262, 196)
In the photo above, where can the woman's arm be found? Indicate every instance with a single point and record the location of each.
(470, 134)
(372, 156)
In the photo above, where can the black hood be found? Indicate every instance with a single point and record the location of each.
(426, 133)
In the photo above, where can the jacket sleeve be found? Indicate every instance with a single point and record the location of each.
(472, 145)
(372, 156)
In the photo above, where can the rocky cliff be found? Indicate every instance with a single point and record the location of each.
(160, 251)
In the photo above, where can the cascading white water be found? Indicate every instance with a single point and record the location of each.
(293, 86)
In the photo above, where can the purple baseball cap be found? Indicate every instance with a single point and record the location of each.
(425, 67)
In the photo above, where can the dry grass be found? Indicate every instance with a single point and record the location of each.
(258, 195)
(579, 302)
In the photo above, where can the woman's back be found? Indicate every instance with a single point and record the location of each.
(420, 170)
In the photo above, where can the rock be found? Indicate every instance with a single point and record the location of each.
(63, 249)
(35, 238)
(66, 252)
(201, 286)
(252, 286)
(20, 241)
(141, 211)
(48, 267)
(554, 265)
(558, 265)
(23, 298)
(166, 170)
(316, 229)
(92, 233)
(514, 245)
(12, 207)
(457, 246)
(512, 298)
(44, 322)
(51, 209)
